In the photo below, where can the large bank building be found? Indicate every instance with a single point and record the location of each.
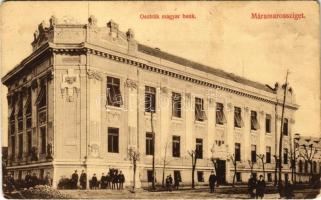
(86, 95)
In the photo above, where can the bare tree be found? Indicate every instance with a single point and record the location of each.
(194, 156)
(232, 157)
(134, 156)
(261, 157)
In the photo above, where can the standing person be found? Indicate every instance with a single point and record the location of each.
(112, 181)
(94, 182)
(28, 179)
(11, 183)
(260, 187)
(83, 180)
(74, 179)
(116, 181)
(177, 179)
(251, 186)
(212, 180)
(169, 182)
(34, 180)
(108, 180)
(48, 179)
(121, 179)
(103, 181)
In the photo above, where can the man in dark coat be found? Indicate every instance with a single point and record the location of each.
(103, 181)
(121, 180)
(108, 180)
(11, 183)
(260, 187)
(169, 182)
(252, 186)
(28, 180)
(74, 179)
(34, 180)
(83, 180)
(177, 179)
(94, 182)
(212, 180)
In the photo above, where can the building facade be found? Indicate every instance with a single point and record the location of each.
(86, 95)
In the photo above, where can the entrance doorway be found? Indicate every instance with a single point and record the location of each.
(221, 172)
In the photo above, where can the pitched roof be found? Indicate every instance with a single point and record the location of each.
(188, 63)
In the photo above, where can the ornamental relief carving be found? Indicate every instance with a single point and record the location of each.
(132, 84)
(70, 85)
(93, 150)
(94, 75)
(113, 116)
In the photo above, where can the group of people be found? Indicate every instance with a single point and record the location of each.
(28, 182)
(113, 180)
(169, 182)
(256, 187)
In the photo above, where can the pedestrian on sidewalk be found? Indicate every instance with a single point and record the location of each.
(108, 178)
(94, 182)
(177, 179)
(121, 180)
(169, 182)
(74, 179)
(103, 181)
(260, 187)
(252, 186)
(83, 180)
(11, 183)
(212, 180)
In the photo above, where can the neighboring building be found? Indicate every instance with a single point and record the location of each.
(85, 95)
(307, 156)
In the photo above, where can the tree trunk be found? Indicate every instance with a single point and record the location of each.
(134, 178)
(193, 172)
(234, 174)
(163, 179)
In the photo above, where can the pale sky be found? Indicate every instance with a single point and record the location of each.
(223, 36)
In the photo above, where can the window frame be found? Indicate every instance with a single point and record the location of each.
(268, 154)
(150, 99)
(254, 121)
(237, 152)
(112, 135)
(253, 153)
(220, 118)
(149, 144)
(238, 121)
(199, 146)
(176, 104)
(113, 90)
(200, 114)
(268, 123)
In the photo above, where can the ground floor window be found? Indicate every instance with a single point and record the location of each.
(43, 136)
(177, 175)
(200, 176)
(269, 177)
(238, 177)
(150, 175)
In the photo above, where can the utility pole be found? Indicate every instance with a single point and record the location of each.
(281, 132)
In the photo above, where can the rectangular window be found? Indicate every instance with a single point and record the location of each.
(237, 152)
(177, 175)
(20, 125)
(199, 148)
(200, 176)
(114, 97)
(237, 117)
(285, 126)
(13, 145)
(199, 109)
(29, 122)
(238, 177)
(268, 154)
(220, 117)
(20, 147)
(113, 140)
(150, 99)
(268, 123)
(176, 146)
(149, 144)
(150, 175)
(29, 140)
(176, 105)
(285, 156)
(269, 177)
(254, 122)
(43, 139)
(253, 153)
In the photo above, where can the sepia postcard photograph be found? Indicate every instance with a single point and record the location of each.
(160, 99)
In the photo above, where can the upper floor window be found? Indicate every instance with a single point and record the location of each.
(114, 97)
(199, 148)
(285, 126)
(199, 109)
(20, 114)
(220, 117)
(176, 146)
(176, 104)
(253, 153)
(28, 108)
(113, 140)
(150, 99)
(237, 152)
(268, 154)
(237, 117)
(254, 122)
(20, 145)
(268, 123)
(149, 144)
(285, 156)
